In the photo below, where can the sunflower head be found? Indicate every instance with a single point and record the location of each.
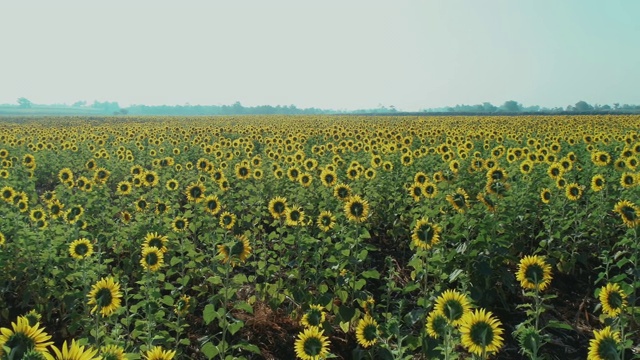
(311, 344)
(294, 216)
(153, 239)
(613, 299)
(195, 192)
(629, 212)
(356, 209)
(152, 258)
(453, 305)
(545, 195)
(534, 273)
(436, 324)
(314, 316)
(158, 353)
(180, 224)
(22, 338)
(112, 352)
(425, 234)
(481, 332)
(605, 344)
(235, 252)
(182, 305)
(277, 207)
(326, 221)
(342, 191)
(81, 249)
(105, 296)
(227, 220)
(367, 331)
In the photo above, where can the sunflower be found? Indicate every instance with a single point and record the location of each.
(28, 161)
(180, 224)
(294, 216)
(152, 258)
(496, 174)
(37, 214)
(430, 190)
(162, 207)
(496, 187)
(125, 216)
(277, 207)
(157, 353)
(605, 345)
(545, 195)
(153, 239)
(311, 344)
(112, 352)
(416, 191)
(425, 234)
(172, 184)
(182, 305)
(314, 316)
(328, 177)
(195, 192)
(534, 273)
(356, 209)
(235, 252)
(105, 295)
(101, 175)
(22, 337)
(598, 183)
(65, 175)
(573, 191)
(124, 188)
(459, 200)
(326, 221)
(555, 171)
(367, 331)
(629, 212)
(436, 324)
(453, 305)
(293, 173)
(628, 180)
(212, 204)
(481, 332)
(227, 220)
(141, 205)
(342, 191)
(243, 172)
(3, 239)
(305, 179)
(74, 351)
(487, 202)
(613, 299)
(600, 158)
(81, 249)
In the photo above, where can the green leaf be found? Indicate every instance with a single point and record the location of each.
(167, 300)
(371, 274)
(558, 325)
(235, 326)
(209, 350)
(244, 306)
(209, 314)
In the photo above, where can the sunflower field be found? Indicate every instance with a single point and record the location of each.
(318, 237)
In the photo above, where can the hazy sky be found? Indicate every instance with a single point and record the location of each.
(339, 54)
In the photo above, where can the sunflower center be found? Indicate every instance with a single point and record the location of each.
(343, 192)
(534, 274)
(142, 204)
(425, 233)
(151, 258)
(598, 182)
(328, 178)
(629, 213)
(279, 207)
(150, 178)
(608, 348)
(459, 200)
(243, 171)
(615, 301)
(370, 332)
(196, 192)
(294, 215)
(156, 242)
(325, 220)
(453, 310)
(357, 209)
(417, 191)
(81, 249)
(227, 220)
(103, 297)
(180, 224)
(212, 205)
(312, 346)
(481, 334)
(162, 207)
(628, 180)
(574, 191)
(314, 317)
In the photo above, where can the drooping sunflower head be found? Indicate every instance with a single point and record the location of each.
(367, 331)
(294, 216)
(182, 305)
(629, 212)
(23, 337)
(534, 273)
(487, 202)
(314, 316)
(105, 296)
(152, 258)
(277, 207)
(356, 209)
(326, 221)
(605, 344)
(227, 220)
(425, 234)
(613, 299)
(459, 200)
(153, 239)
(453, 305)
(481, 332)
(81, 249)
(311, 344)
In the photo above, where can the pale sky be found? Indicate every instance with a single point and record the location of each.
(333, 54)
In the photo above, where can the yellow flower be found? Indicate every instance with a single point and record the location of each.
(158, 353)
(311, 344)
(315, 316)
(356, 209)
(453, 305)
(534, 273)
(605, 345)
(105, 295)
(481, 333)
(367, 331)
(81, 249)
(629, 212)
(613, 299)
(152, 258)
(22, 337)
(235, 252)
(425, 234)
(75, 351)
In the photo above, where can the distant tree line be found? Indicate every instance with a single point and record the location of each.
(113, 108)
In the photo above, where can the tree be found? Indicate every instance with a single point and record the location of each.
(511, 106)
(24, 103)
(583, 106)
